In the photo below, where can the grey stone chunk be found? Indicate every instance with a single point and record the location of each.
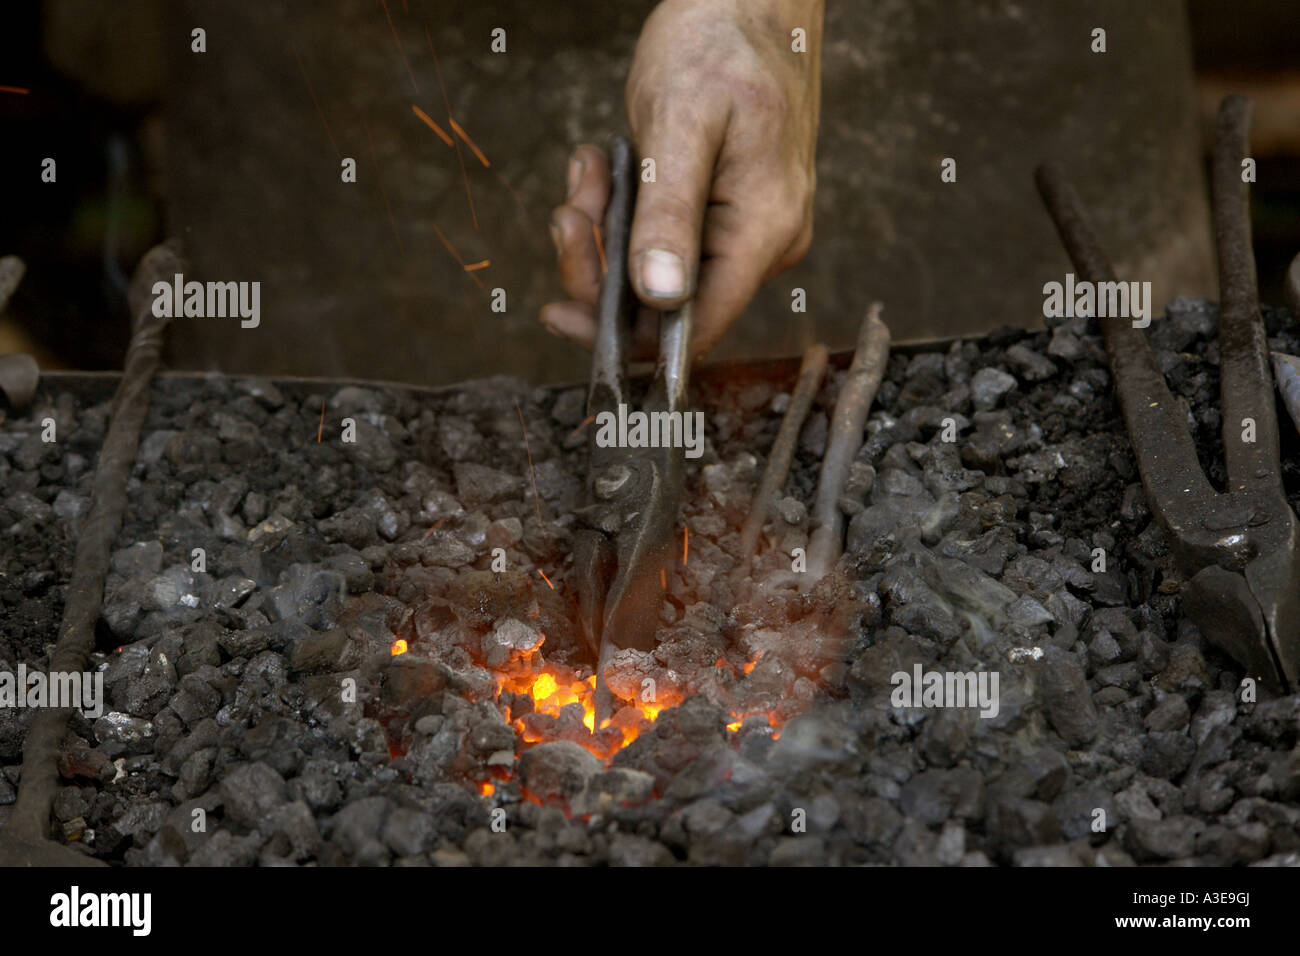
(120, 733)
(933, 796)
(408, 832)
(988, 386)
(142, 559)
(1170, 839)
(558, 770)
(1028, 364)
(478, 484)
(250, 791)
(1066, 699)
(357, 827)
(628, 850)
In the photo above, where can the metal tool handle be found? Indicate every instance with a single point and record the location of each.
(617, 303)
(1157, 428)
(1246, 381)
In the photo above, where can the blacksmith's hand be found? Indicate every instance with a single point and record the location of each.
(722, 99)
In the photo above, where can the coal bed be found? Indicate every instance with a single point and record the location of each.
(340, 629)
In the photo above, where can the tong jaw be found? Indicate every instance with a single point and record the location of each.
(1238, 548)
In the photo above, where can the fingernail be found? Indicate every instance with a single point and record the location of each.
(576, 169)
(557, 237)
(662, 274)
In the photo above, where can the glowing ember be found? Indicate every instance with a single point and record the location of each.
(555, 688)
(399, 647)
(487, 789)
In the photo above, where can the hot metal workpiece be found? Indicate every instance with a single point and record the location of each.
(634, 493)
(1238, 548)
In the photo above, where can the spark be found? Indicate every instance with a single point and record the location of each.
(397, 40)
(686, 544)
(478, 153)
(582, 424)
(663, 579)
(399, 647)
(428, 121)
(437, 524)
(487, 789)
(456, 255)
(532, 471)
(446, 102)
(316, 103)
(475, 266)
(546, 579)
(321, 427)
(384, 192)
(600, 248)
(15, 89)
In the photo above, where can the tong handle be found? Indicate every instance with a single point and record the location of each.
(1246, 381)
(617, 304)
(1176, 487)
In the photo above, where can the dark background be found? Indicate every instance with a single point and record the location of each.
(228, 151)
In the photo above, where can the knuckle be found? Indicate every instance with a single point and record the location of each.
(759, 97)
(787, 221)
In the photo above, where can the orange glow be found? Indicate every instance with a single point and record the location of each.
(399, 647)
(543, 687)
(464, 176)
(456, 255)
(546, 579)
(773, 721)
(428, 121)
(15, 89)
(475, 266)
(556, 687)
(663, 579)
(478, 153)
(487, 789)
(686, 544)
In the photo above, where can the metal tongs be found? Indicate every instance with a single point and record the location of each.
(1238, 548)
(633, 493)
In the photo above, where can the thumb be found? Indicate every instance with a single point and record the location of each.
(664, 250)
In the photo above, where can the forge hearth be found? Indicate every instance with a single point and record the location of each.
(369, 652)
